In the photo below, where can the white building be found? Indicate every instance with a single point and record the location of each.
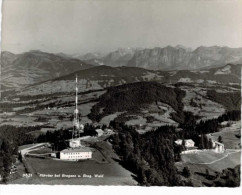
(218, 147)
(108, 131)
(75, 143)
(76, 154)
(225, 123)
(99, 132)
(188, 143)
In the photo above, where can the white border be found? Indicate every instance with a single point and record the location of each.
(114, 190)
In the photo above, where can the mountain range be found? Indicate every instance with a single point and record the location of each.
(168, 58)
(119, 57)
(96, 69)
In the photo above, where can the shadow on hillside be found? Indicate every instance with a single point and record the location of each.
(208, 177)
(126, 166)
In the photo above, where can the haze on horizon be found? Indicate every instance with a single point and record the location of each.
(81, 26)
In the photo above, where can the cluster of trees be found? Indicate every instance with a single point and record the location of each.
(10, 138)
(7, 153)
(231, 101)
(18, 135)
(186, 172)
(134, 96)
(234, 115)
(193, 103)
(150, 156)
(228, 178)
(204, 142)
(58, 138)
(89, 129)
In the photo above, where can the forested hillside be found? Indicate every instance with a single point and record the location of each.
(149, 156)
(133, 97)
(231, 101)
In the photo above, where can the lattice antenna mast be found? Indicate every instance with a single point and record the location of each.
(76, 112)
(76, 98)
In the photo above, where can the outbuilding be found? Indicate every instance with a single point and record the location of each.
(189, 143)
(218, 147)
(99, 132)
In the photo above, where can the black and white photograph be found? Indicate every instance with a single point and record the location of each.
(121, 93)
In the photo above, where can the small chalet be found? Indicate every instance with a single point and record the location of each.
(218, 147)
(75, 143)
(99, 132)
(189, 143)
(108, 131)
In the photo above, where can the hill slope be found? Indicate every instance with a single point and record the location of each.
(135, 96)
(20, 70)
(100, 77)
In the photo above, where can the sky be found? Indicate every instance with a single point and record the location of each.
(81, 26)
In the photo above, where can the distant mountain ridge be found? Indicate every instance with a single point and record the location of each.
(119, 57)
(33, 67)
(169, 58)
(19, 70)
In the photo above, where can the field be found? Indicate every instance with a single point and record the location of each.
(196, 102)
(199, 163)
(229, 135)
(216, 161)
(231, 161)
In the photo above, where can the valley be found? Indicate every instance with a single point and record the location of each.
(146, 109)
(147, 103)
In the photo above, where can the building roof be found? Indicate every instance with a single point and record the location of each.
(218, 143)
(81, 149)
(99, 130)
(79, 138)
(75, 141)
(189, 140)
(179, 141)
(224, 123)
(108, 130)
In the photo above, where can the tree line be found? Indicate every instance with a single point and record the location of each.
(150, 156)
(10, 138)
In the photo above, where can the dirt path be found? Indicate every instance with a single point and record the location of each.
(209, 163)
